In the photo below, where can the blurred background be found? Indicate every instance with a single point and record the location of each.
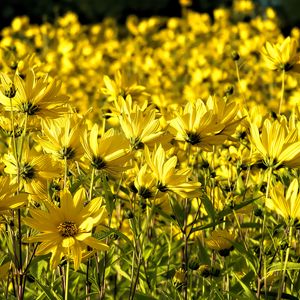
(92, 11)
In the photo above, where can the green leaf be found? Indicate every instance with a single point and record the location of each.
(250, 295)
(178, 211)
(278, 266)
(49, 293)
(109, 197)
(208, 206)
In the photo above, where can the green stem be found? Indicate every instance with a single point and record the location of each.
(285, 262)
(262, 256)
(282, 90)
(66, 172)
(67, 280)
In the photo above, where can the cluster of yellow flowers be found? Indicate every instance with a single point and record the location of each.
(118, 142)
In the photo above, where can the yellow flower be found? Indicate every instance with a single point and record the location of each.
(122, 86)
(62, 138)
(35, 170)
(145, 183)
(277, 144)
(142, 128)
(67, 230)
(7, 198)
(110, 153)
(168, 178)
(204, 125)
(220, 240)
(286, 204)
(32, 96)
(282, 56)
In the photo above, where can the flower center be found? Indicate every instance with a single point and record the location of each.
(145, 193)
(66, 152)
(30, 108)
(193, 138)
(67, 228)
(162, 188)
(27, 171)
(98, 163)
(10, 92)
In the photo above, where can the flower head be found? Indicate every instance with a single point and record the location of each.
(282, 56)
(285, 203)
(109, 153)
(67, 230)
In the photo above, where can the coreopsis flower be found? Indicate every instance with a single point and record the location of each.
(285, 203)
(221, 241)
(32, 96)
(8, 198)
(168, 177)
(144, 183)
(67, 230)
(34, 171)
(142, 128)
(204, 125)
(109, 153)
(61, 137)
(277, 144)
(122, 85)
(283, 56)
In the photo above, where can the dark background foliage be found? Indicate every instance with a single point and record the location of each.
(91, 11)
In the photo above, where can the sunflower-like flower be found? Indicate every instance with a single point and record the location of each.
(32, 96)
(67, 230)
(62, 138)
(142, 128)
(144, 183)
(110, 153)
(277, 144)
(221, 241)
(168, 177)
(204, 125)
(286, 204)
(7, 198)
(283, 56)
(35, 170)
(122, 85)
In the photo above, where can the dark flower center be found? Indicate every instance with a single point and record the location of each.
(162, 188)
(66, 152)
(30, 108)
(145, 193)
(193, 138)
(10, 92)
(27, 171)
(67, 228)
(98, 163)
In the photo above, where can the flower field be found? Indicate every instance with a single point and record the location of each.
(158, 159)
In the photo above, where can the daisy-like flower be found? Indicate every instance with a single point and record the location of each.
(110, 153)
(204, 125)
(7, 198)
(32, 96)
(35, 170)
(67, 230)
(144, 183)
(221, 241)
(283, 57)
(286, 204)
(277, 144)
(142, 128)
(122, 86)
(168, 178)
(62, 138)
